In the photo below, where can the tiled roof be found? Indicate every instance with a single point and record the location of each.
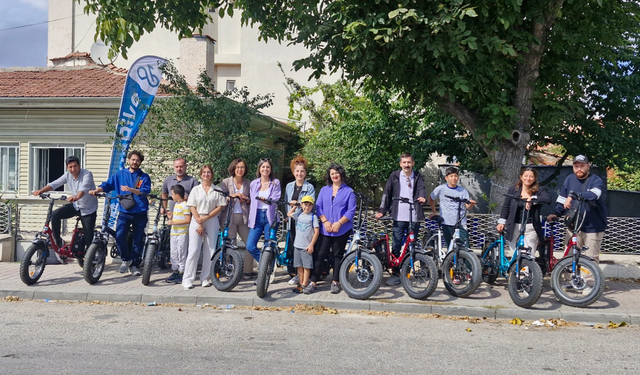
(62, 81)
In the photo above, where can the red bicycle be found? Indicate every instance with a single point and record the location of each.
(35, 258)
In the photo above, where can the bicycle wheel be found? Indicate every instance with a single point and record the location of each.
(227, 271)
(490, 264)
(525, 284)
(94, 260)
(429, 245)
(81, 262)
(33, 263)
(581, 291)
(421, 281)
(462, 278)
(361, 280)
(265, 264)
(148, 260)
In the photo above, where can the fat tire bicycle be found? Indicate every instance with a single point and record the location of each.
(271, 254)
(461, 268)
(95, 258)
(228, 262)
(523, 274)
(157, 248)
(35, 257)
(576, 279)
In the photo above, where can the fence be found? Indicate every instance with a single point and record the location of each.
(5, 218)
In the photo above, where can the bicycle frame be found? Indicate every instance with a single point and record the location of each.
(439, 251)
(224, 242)
(45, 237)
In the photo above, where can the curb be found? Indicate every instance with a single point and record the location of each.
(584, 317)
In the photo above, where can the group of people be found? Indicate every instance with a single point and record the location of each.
(322, 224)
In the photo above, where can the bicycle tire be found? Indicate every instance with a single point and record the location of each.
(467, 273)
(420, 281)
(490, 261)
(148, 260)
(81, 262)
(226, 275)
(363, 280)
(572, 294)
(525, 285)
(94, 261)
(31, 268)
(429, 245)
(262, 281)
(164, 257)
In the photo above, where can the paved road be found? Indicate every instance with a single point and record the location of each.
(79, 338)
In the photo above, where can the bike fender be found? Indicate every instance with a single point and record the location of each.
(363, 250)
(40, 243)
(582, 256)
(528, 256)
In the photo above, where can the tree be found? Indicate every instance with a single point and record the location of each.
(366, 132)
(201, 125)
(514, 74)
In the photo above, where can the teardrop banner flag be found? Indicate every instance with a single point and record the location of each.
(139, 91)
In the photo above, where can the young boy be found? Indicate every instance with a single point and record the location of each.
(179, 221)
(449, 208)
(307, 232)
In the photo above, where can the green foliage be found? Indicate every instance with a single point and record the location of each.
(365, 131)
(203, 126)
(624, 180)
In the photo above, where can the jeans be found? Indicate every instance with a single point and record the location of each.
(139, 223)
(261, 227)
(68, 211)
(400, 228)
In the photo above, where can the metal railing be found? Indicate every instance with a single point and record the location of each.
(5, 218)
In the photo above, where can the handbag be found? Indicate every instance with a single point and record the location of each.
(127, 202)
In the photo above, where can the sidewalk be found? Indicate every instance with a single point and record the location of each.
(620, 301)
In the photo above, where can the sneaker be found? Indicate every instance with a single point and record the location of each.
(335, 288)
(294, 280)
(134, 271)
(456, 280)
(178, 279)
(124, 267)
(172, 278)
(309, 289)
(206, 283)
(187, 287)
(247, 276)
(298, 289)
(393, 280)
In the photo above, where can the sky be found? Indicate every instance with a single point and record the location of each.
(24, 46)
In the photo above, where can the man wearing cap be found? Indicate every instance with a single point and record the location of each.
(405, 183)
(592, 188)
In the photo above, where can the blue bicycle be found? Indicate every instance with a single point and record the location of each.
(523, 274)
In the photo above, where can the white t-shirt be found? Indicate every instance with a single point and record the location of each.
(205, 202)
(449, 208)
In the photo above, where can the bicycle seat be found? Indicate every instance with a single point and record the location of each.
(438, 219)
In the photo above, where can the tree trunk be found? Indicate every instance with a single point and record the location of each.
(507, 163)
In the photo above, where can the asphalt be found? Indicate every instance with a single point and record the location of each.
(619, 303)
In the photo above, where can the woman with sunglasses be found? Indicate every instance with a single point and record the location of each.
(262, 215)
(526, 187)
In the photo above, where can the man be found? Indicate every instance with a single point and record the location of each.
(405, 183)
(133, 185)
(80, 182)
(590, 187)
(180, 178)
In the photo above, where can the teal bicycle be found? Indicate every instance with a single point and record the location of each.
(523, 274)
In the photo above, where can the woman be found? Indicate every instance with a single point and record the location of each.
(238, 187)
(511, 213)
(205, 204)
(294, 192)
(335, 208)
(262, 215)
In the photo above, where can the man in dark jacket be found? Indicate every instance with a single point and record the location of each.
(590, 187)
(405, 183)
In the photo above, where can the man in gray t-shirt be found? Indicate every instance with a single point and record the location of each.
(79, 182)
(179, 178)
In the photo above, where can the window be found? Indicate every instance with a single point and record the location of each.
(231, 85)
(48, 162)
(9, 167)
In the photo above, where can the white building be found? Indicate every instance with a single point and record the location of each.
(235, 59)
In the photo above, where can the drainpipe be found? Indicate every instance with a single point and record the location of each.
(73, 25)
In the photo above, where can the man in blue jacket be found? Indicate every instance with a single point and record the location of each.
(592, 188)
(134, 185)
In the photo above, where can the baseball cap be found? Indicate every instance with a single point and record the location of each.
(307, 198)
(581, 159)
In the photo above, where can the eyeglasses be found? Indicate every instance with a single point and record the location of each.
(408, 182)
(265, 160)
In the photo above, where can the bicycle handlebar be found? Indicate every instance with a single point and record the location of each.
(577, 195)
(404, 200)
(520, 198)
(457, 199)
(269, 201)
(363, 197)
(48, 196)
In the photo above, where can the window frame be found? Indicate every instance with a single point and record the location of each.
(8, 146)
(34, 165)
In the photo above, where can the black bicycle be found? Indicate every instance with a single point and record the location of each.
(96, 255)
(227, 260)
(157, 247)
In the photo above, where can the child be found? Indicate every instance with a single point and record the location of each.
(179, 221)
(307, 232)
(449, 208)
